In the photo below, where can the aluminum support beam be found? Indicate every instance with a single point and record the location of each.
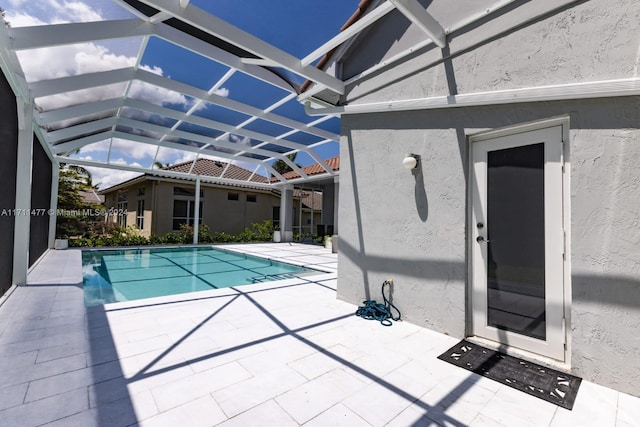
(231, 104)
(196, 212)
(53, 205)
(81, 110)
(222, 29)
(286, 213)
(67, 147)
(42, 36)
(336, 203)
(347, 33)
(82, 81)
(417, 14)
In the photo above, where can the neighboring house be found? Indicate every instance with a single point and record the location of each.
(157, 205)
(519, 227)
(310, 218)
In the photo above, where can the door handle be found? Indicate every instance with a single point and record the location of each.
(481, 239)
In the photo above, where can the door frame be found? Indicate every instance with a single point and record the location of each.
(562, 121)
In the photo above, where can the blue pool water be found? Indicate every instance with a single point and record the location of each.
(131, 274)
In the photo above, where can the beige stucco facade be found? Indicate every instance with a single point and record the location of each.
(163, 203)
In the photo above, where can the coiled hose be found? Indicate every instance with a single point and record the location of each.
(373, 310)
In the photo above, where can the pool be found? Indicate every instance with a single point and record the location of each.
(132, 274)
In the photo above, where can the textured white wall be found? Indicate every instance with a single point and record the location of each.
(589, 41)
(412, 229)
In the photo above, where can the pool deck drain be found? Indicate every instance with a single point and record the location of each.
(282, 353)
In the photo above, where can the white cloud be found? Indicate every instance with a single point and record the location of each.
(21, 19)
(27, 13)
(135, 150)
(74, 11)
(156, 95)
(70, 60)
(123, 162)
(106, 178)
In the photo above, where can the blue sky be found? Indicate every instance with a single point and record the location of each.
(297, 27)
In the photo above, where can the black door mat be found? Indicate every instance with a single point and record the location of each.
(537, 380)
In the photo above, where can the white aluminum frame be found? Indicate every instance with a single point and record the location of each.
(67, 130)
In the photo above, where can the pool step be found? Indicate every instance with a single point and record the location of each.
(270, 277)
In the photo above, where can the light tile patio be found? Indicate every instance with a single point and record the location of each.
(272, 354)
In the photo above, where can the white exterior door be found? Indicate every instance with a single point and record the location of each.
(517, 241)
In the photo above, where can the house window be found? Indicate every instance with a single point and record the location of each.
(140, 191)
(121, 209)
(184, 212)
(140, 214)
(184, 207)
(233, 196)
(275, 216)
(252, 198)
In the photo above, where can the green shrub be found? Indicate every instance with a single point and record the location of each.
(82, 242)
(109, 234)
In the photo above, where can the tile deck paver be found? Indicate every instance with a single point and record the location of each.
(283, 353)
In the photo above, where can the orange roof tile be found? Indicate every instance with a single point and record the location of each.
(315, 169)
(216, 168)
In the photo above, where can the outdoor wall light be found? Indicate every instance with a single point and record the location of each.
(410, 161)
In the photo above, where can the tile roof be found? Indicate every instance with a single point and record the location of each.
(216, 168)
(315, 169)
(309, 199)
(91, 197)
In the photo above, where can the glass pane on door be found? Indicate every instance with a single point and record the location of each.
(516, 234)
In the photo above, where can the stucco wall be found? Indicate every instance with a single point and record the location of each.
(219, 213)
(422, 244)
(394, 225)
(526, 45)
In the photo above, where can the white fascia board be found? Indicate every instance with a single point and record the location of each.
(353, 30)
(222, 29)
(160, 172)
(69, 146)
(80, 110)
(417, 14)
(82, 81)
(201, 121)
(231, 104)
(586, 90)
(42, 36)
(77, 130)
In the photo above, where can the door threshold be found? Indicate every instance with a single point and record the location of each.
(523, 354)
